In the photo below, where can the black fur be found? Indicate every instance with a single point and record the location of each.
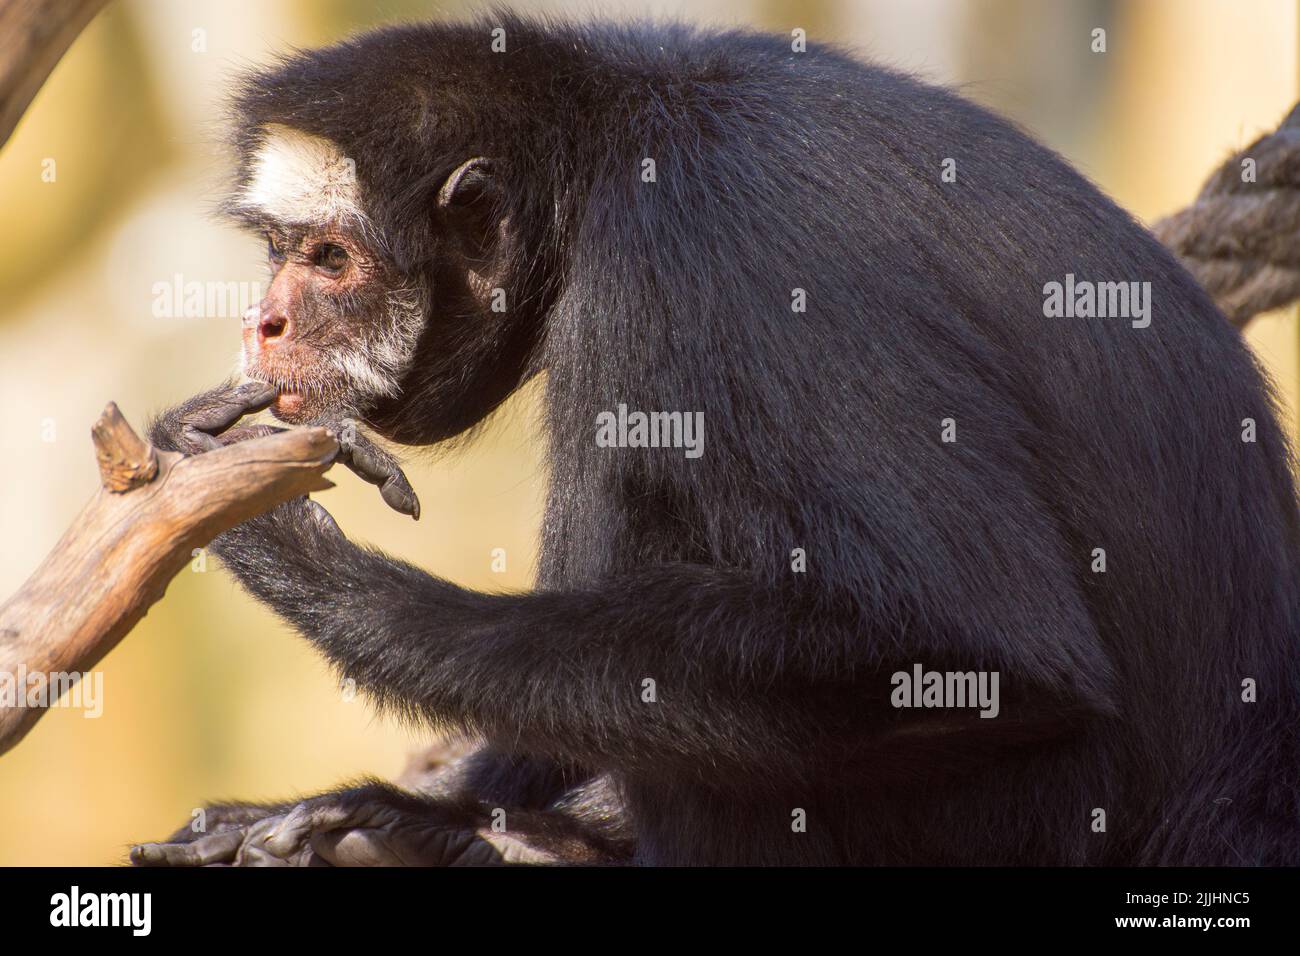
(777, 170)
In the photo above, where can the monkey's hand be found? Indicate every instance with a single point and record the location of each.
(205, 422)
(371, 463)
(373, 825)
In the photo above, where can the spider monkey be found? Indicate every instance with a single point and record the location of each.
(909, 464)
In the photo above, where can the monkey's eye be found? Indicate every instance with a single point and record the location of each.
(331, 257)
(273, 250)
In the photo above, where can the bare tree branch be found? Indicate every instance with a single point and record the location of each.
(133, 537)
(34, 35)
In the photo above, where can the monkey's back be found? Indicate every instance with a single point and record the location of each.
(1156, 445)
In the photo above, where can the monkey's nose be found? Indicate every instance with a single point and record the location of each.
(272, 327)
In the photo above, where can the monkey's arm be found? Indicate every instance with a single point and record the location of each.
(746, 680)
(685, 667)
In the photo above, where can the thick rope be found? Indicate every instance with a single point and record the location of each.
(1241, 239)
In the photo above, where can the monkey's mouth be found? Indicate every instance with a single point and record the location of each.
(301, 403)
(310, 388)
(301, 398)
(288, 405)
(302, 392)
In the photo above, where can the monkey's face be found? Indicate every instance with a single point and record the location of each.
(337, 327)
(342, 332)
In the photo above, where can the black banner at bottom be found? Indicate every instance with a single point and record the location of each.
(332, 905)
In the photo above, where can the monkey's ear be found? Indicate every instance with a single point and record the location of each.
(469, 205)
(470, 183)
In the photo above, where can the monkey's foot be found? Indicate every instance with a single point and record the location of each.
(374, 825)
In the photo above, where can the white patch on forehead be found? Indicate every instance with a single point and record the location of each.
(295, 177)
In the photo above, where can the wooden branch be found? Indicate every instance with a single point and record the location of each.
(34, 35)
(139, 530)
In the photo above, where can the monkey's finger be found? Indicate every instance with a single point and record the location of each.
(218, 412)
(256, 849)
(399, 494)
(282, 837)
(371, 463)
(256, 855)
(225, 408)
(315, 817)
(402, 841)
(240, 433)
(281, 840)
(209, 850)
(352, 848)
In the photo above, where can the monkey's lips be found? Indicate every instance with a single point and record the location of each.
(308, 406)
(305, 389)
(288, 406)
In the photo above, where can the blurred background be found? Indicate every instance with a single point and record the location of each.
(106, 197)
